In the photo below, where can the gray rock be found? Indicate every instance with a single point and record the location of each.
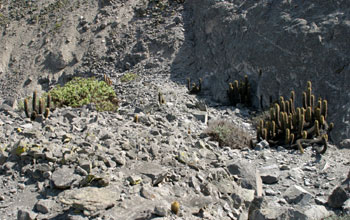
(44, 205)
(337, 198)
(245, 170)
(170, 117)
(346, 206)
(308, 213)
(261, 145)
(270, 178)
(25, 215)
(201, 116)
(86, 165)
(147, 192)
(297, 195)
(345, 143)
(161, 211)
(90, 198)
(64, 177)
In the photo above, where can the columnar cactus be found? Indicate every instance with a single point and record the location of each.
(294, 126)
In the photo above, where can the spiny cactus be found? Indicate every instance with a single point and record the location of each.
(240, 92)
(107, 80)
(34, 101)
(161, 99)
(26, 108)
(194, 88)
(296, 126)
(136, 118)
(37, 110)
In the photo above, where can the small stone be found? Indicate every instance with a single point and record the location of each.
(270, 178)
(119, 159)
(44, 206)
(170, 117)
(261, 145)
(346, 206)
(26, 215)
(201, 116)
(160, 211)
(270, 192)
(147, 193)
(86, 165)
(345, 143)
(63, 177)
(337, 198)
(297, 195)
(21, 186)
(134, 179)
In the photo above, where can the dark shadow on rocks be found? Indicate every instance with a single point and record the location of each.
(225, 40)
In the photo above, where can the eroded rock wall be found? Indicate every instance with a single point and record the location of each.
(287, 42)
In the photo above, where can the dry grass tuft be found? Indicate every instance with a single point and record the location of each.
(228, 134)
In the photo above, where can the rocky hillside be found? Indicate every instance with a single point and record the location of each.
(168, 153)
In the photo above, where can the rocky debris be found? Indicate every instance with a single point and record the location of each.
(84, 164)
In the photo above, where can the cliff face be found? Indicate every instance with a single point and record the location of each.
(287, 42)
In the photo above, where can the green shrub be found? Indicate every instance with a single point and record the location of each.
(335, 217)
(82, 91)
(128, 77)
(228, 134)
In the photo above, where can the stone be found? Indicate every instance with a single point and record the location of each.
(170, 117)
(297, 195)
(64, 177)
(308, 212)
(345, 143)
(201, 116)
(245, 170)
(261, 145)
(91, 199)
(147, 193)
(26, 215)
(337, 197)
(44, 205)
(346, 206)
(270, 178)
(86, 165)
(161, 211)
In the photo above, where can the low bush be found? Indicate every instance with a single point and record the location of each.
(228, 134)
(82, 91)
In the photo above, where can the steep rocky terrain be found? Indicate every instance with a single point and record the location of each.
(84, 164)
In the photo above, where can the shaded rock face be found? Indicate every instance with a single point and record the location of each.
(280, 45)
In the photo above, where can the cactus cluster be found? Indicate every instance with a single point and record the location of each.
(194, 88)
(293, 126)
(240, 92)
(107, 80)
(37, 110)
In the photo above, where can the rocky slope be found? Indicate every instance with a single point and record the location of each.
(84, 164)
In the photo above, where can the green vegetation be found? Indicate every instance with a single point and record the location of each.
(128, 77)
(228, 134)
(82, 91)
(335, 217)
